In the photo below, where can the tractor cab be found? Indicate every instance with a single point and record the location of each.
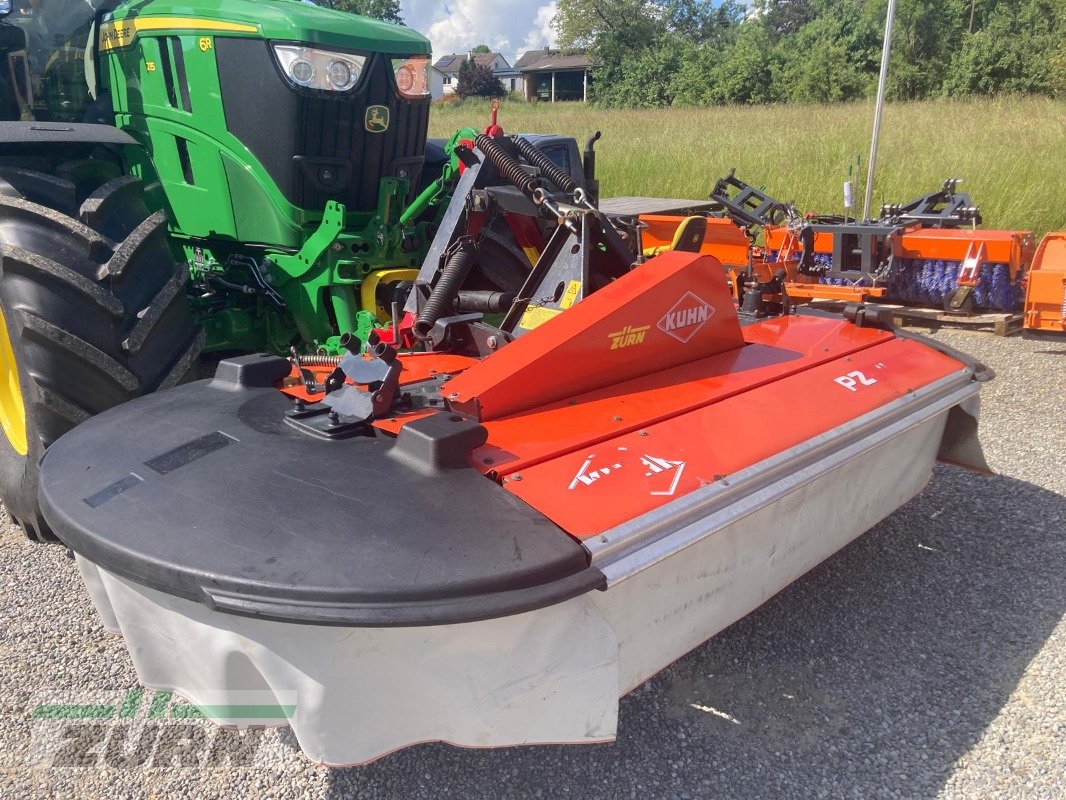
(44, 74)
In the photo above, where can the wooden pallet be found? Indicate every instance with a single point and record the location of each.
(1000, 323)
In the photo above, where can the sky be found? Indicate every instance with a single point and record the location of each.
(509, 27)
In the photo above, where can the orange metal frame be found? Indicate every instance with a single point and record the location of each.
(1014, 248)
(723, 240)
(728, 243)
(598, 484)
(1045, 288)
(673, 309)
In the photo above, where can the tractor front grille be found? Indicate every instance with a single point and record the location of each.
(315, 144)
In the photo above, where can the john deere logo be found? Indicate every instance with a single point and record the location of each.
(377, 119)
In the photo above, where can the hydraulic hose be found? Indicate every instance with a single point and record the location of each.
(507, 166)
(441, 300)
(548, 168)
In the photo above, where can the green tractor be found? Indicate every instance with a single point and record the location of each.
(197, 176)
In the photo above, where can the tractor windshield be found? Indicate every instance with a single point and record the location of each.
(43, 64)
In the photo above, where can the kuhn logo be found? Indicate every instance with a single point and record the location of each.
(628, 336)
(685, 319)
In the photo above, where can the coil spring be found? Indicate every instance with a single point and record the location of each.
(441, 300)
(506, 165)
(320, 360)
(540, 160)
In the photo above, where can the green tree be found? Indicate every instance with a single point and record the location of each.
(833, 57)
(647, 77)
(641, 24)
(599, 24)
(702, 22)
(690, 52)
(691, 84)
(920, 45)
(481, 49)
(618, 34)
(1057, 69)
(387, 10)
(784, 17)
(640, 46)
(826, 74)
(1013, 48)
(745, 75)
(477, 80)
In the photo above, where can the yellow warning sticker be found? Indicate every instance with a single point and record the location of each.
(573, 289)
(536, 316)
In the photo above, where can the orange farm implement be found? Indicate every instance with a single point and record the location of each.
(928, 251)
(1045, 291)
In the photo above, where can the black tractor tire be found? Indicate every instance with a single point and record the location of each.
(94, 308)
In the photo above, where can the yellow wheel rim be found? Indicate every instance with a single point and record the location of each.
(12, 408)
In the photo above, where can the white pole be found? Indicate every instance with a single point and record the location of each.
(553, 87)
(871, 165)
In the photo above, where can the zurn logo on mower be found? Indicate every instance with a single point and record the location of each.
(628, 336)
(136, 729)
(686, 317)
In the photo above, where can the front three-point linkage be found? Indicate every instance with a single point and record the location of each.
(442, 308)
(462, 252)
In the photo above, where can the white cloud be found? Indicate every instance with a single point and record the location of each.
(507, 26)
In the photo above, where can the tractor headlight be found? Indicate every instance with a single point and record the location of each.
(312, 68)
(340, 75)
(412, 76)
(302, 71)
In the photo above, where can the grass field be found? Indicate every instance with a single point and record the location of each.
(1011, 152)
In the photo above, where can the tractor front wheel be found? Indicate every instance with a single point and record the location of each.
(93, 310)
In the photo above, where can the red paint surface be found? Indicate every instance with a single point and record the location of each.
(660, 462)
(679, 301)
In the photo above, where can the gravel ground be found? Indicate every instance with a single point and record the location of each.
(927, 659)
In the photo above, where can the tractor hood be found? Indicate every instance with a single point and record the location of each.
(289, 20)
